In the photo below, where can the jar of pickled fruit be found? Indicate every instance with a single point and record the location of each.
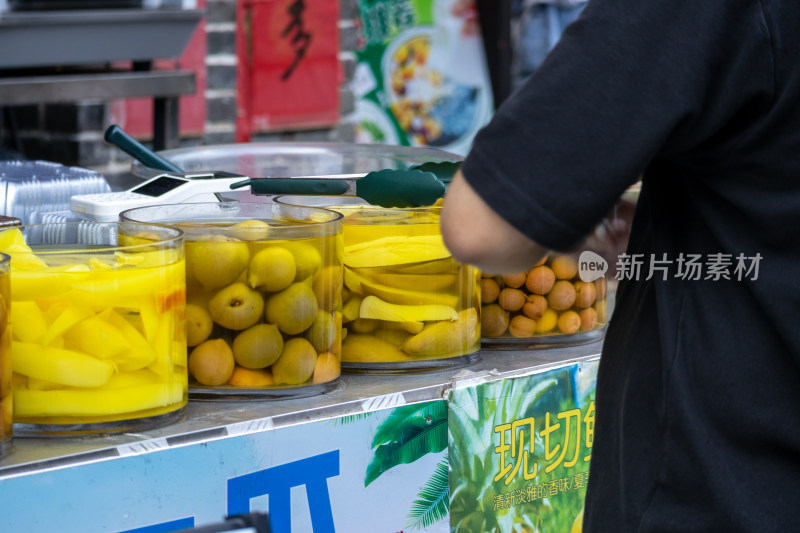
(98, 332)
(6, 394)
(264, 296)
(407, 304)
(549, 304)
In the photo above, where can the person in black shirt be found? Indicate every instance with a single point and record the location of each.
(698, 391)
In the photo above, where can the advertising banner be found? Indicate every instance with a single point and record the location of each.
(379, 472)
(519, 452)
(289, 73)
(421, 77)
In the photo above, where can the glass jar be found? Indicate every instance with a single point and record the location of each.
(566, 298)
(407, 304)
(6, 393)
(552, 303)
(264, 296)
(98, 333)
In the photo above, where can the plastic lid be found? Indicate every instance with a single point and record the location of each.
(296, 159)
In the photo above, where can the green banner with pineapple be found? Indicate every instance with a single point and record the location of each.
(519, 451)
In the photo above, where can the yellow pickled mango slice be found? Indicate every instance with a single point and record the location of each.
(374, 307)
(162, 345)
(149, 316)
(446, 338)
(397, 250)
(140, 354)
(360, 348)
(136, 378)
(408, 297)
(67, 367)
(12, 242)
(28, 322)
(416, 282)
(351, 308)
(353, 280)
(11, 236)
(64, 317)
(123, 283)
(97, 337)
(35, 285)
(99, 402)
(41, 384)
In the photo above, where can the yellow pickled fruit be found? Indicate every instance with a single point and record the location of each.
(447, 337)
(251, 377)
(494, 320)
(272, 269)
(540, 280)
(198, 324)
(211, 362)
(601, 307)
(363, 325)
(396, 250)
(547, 322)
(250, 230)
(360, 348)
(511, 299)
(258, 346)
(98, 338)
(490, 290)
(522, 326)
(562, 296)
(515, 281)
(293, 309)
(28, 322)
(327, 368)
(375, 308)
(415, 282)
(296, 363)
(588, 318)
(564, 267)
(394, 336)
(306, 257)
(569, 322)
(322, 332)
(535, 306)
(236, 307)
(217, 263)
(327, 286)
(585, 293)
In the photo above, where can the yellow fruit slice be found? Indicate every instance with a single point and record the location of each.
(416, 282)
(359, 348)
(407, 297)
(374, 307)
(397, 250)
(446, 338)
(67, 367)
(28, 322)
(64, 317)
(98, 338)
(28, 403)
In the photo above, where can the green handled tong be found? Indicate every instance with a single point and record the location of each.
(417, 186)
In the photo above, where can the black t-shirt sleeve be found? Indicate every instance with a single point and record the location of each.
(630, 81)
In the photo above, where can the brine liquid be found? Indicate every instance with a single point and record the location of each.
(264, 309)
(6, 394)
(98, 338)
(406, 299)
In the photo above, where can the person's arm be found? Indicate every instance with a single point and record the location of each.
(475, 234)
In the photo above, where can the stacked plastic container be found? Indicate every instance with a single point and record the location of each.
(29, 190)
